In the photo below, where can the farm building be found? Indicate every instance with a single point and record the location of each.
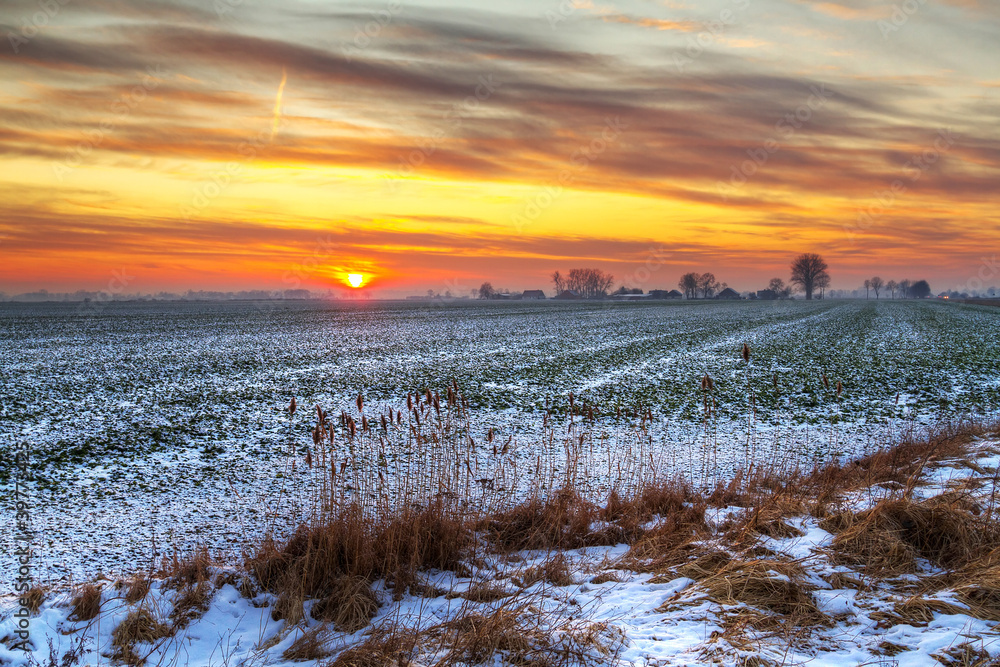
(729, 293)
(664, 294)
(533, 294)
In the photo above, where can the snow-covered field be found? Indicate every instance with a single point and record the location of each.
(166, 424)
(600, 611)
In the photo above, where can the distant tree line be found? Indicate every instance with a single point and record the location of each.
(906, 289)
(588, 283)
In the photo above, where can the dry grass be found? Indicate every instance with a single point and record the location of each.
(192, 601)
(768, 585)
(887, 538)
(311, 645)
(555, 570)
(189, 570)
(86, 604)
(914, 611)
(137, 589)
(383, 648)
(561, 521)
(313, 562)
(139, 627)
(705, 565)
(350, 606)
(33, 599)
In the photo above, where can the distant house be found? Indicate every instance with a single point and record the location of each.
(729, 294)
(567, 295)
(664, 294)
(630, 297)
(767, 294)
(533, 294)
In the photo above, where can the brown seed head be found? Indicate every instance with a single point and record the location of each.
(746, 353)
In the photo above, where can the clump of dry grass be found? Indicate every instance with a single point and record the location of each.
(193, 568)
(915, 611)
(383, 648)
(313, 562)
(887, 538)
(33, 599)
(192, 601)
(350, 605)
(561, 521)
(311, 645)
(555, 570)
(768, 585)
(86, 604)
(137, 589)
(139, 627)
(705, 565)
(672, 501)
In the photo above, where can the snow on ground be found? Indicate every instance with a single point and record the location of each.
(166, 422)
(627, 618)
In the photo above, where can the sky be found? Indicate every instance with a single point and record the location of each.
(151, 145)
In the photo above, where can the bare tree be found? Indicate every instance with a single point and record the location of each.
(559, 282)
(822, 282)
(589, 283)
(689, 283)
(877, 285)
(486, 291)
(868, 286)
(891, 286)
(707, 284)
(904, 288)
(778, 286)
(806, 269)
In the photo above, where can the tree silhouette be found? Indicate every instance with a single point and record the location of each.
(486, 291)
(707, 284)
(806, 270)
(877, 284)
(920, 290)
(559, 282)
(891, 286)
(689, 284)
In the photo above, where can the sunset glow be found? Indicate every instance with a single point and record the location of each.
(180, 147)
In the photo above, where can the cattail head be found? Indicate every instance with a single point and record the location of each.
(571, 399)
(351, 425)
(385, 427)
(745, 352)
(840, 388)
(291, 406)
(409, 401)
(361, 402)
(309, 459)
(428, 396)
(826, 382)
(707, 384)
(364, 423)
(316, 435)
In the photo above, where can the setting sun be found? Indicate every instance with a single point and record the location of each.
(355, 279)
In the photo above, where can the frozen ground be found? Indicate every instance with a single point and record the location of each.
(612, 616)
(165, 424)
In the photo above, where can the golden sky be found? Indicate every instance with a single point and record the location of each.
(256, 144)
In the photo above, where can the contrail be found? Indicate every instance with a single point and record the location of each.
(277, 102)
